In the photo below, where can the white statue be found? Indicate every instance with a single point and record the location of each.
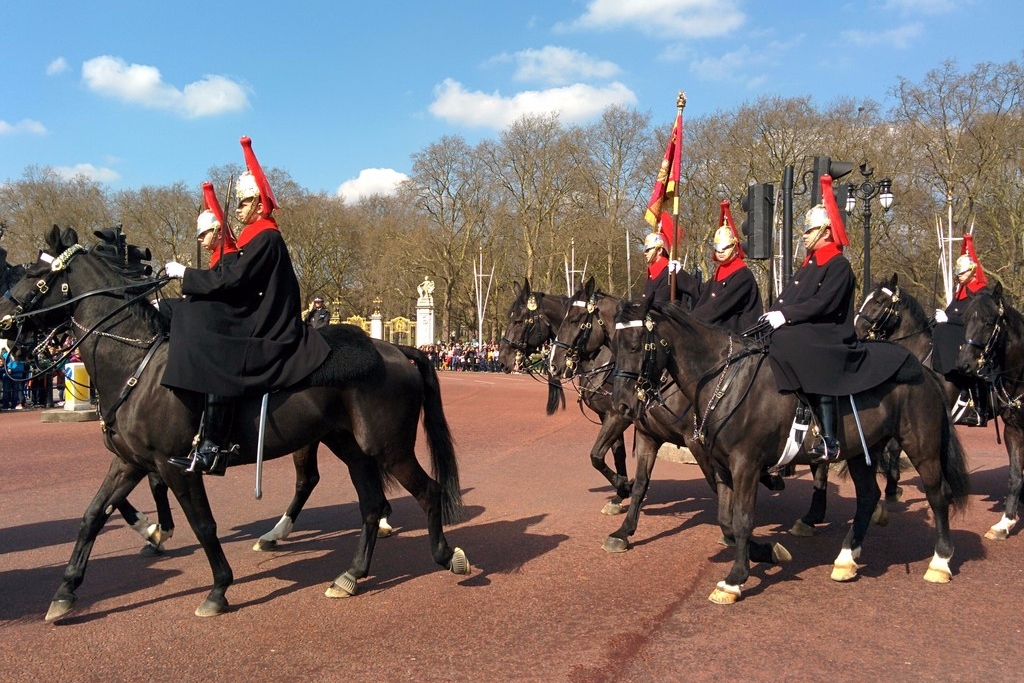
(425, 288)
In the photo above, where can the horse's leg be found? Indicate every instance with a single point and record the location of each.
(893, 490)
(190, 491)
(369, 485)
(745, 480)
(646, 450)
(307, 476)
(865, 484)
(613, 427)
(1014, 436)
(120, 480)
(819, 502)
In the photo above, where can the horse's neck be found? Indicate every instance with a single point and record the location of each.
(1014, 360)
(696, 351)
(113, 350)
(914, 332)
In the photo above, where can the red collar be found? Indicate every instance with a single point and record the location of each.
(255, 228)
(823, 255)
(973, 286)
(215, 255)
(654, 269)
(722, 272)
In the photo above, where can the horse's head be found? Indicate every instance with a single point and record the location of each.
(879, 315)
(31, 302)
(528, 327)
(66, 273)
(641, 355)
(581, 334)
(984, 332)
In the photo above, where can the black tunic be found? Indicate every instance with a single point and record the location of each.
(948, 337)
(318, 317)
(817, 351)
(238, 330)
(658, 287)
(733, 303)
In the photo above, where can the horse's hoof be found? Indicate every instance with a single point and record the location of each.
(845, 572)
(937, 575)
(996, 534)
(895, 497)
(615, 545)
(800, 528)
(880, 516)
(384, 529)
(343, 587)
(262, 546)
(724, 594)
(780, 554)
(459, 564)
(150, 550)
(60, 608)
(611, 508)
(211, 607)
(727, 542)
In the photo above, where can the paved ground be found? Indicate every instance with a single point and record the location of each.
(544, 602)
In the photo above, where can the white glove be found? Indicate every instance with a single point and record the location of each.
(775, 318)
(174, 269)
(940, 316)
(674, 266)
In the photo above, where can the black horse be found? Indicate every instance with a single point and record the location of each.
(368, 421)
(994, 350)
(533, 319)
(742, 423)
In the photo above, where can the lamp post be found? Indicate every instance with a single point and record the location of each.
(867, 191)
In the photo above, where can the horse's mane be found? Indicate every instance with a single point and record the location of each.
(127, 264)
(915, 311)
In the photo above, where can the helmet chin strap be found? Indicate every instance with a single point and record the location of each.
(250, 212)
(821, 233)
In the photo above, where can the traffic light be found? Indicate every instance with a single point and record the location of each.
(836, 169)
(759, 205)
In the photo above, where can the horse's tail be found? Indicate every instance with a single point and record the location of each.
(956, 484)
(556, 395)
(439, 436)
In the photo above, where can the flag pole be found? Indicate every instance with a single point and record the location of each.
(674, 248)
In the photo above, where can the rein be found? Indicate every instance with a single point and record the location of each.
(576, 350)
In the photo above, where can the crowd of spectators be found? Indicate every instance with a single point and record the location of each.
(459, 357)
(36, 384)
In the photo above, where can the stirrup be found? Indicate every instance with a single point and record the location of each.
(822, 451)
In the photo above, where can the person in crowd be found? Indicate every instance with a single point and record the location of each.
(238, 331)
(814, 349)
(318, 315)
(974, 405)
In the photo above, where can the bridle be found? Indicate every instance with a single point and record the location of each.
(887, 320)
(989, 347)
(576, 349)
(647, 380)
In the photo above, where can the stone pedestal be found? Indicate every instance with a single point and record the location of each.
(425, 313)
(674, 453)
(377, 325)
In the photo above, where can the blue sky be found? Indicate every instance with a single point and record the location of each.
(341, 94)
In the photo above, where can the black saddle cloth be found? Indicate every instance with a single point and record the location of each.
(352, 357)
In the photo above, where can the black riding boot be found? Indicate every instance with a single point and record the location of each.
(212, 454)
(826, 446)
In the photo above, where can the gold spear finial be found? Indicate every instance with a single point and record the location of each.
(681, 100)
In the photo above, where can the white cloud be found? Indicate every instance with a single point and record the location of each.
(673, 18)
(23, 126)
(574, 103)
(57, 66)
(370, 182)
(559, 65)
(918, 7)
(100, 175)
(141, 84)
(900, 37)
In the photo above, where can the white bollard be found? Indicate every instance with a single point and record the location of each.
(76, 387)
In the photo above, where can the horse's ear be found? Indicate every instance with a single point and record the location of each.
(893, 283)
(997, 292)
(526, 285)
(516, 288)
(588, 286)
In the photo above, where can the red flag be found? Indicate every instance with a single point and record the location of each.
(658, 214)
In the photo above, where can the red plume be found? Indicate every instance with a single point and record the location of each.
(979, 272)
(210, 199)
(725, 218)
(251, 163)
(834, 217)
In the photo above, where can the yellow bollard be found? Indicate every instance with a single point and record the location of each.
(76, 387)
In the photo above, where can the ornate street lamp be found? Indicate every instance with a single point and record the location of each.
(867, 191)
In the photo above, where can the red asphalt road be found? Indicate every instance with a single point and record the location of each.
(544, 602)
